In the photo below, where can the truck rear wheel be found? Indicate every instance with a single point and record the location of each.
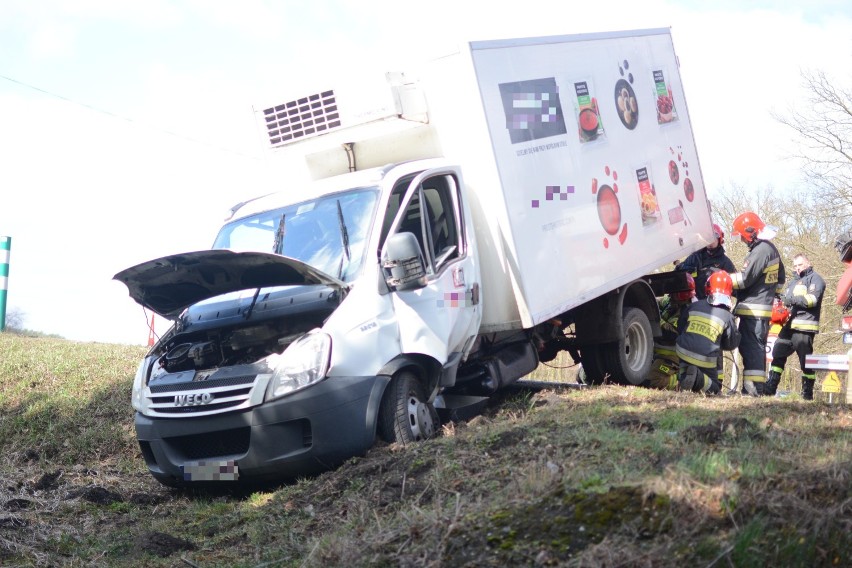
(592, 370)
(405, 416)
(629, 359)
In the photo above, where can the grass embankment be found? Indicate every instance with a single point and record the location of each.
(608, 476)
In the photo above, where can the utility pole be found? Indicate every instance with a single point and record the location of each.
(5, 246)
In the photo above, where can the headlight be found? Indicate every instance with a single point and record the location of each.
(303, 363)
(136, 398)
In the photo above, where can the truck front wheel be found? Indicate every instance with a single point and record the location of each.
(629, 359)
(405, 416)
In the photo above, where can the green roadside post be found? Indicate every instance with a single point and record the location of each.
(5, 247)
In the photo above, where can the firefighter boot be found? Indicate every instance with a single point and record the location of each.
(753, 388)
(808, 388)
(688, 379)
(772, 383)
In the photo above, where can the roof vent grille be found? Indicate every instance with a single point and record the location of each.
(302, 118)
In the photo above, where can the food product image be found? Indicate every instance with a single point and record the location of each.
(674, 172)
(588, 114)
(626, 103)
(609, 210)
(589, 123)
(664, 101)
(688, 190)
(664, 109)
(648, 204)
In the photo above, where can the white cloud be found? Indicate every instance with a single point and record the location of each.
(53, 40)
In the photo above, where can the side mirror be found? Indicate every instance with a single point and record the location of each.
(402, 262)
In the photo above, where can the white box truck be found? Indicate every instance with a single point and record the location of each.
(434, 238)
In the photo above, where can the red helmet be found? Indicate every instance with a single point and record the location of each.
(780, 314)
(718, 233)
(688, 293)
(720, 283)
(748, 225)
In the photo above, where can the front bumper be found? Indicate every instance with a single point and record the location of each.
(309, 431)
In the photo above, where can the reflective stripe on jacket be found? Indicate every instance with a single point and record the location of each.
(705, 330)
(760, 279)
(804, 294)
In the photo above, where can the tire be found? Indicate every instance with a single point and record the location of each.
(629, 359)
(404, 415)
(591, 371)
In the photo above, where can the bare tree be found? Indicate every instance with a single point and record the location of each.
(735, 199)
(14, 319)
(823, 129)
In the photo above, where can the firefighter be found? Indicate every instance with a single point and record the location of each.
(704, 262)
(756, 285)
(803, 298)
(663, 373)
(706, 328)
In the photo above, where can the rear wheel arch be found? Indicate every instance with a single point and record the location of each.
(617, 332)
(640, 295)
(600, 320)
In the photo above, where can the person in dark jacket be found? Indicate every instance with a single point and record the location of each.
(803, 298)
(663, 373)
(755, 286)
(706, 328)
(702, 263)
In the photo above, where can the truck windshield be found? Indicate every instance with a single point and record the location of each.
(329, 233)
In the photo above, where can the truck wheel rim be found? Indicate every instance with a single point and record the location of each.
(420, 419)
(635, 347)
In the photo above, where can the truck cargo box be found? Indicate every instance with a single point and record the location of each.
(597, 175)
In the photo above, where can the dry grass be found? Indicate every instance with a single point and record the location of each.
(608, 476)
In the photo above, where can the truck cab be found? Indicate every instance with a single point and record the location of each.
(293, 325)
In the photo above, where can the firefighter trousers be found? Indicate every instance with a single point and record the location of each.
(793, 341)
(753, 333)
(698, 379)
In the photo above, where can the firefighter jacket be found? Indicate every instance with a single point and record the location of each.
(705, 330)
(702, 263)
(670, 312)
(761, 278)
(803, 295)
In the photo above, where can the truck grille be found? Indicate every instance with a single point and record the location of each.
(213, 444)
(228, 382)
(201, 398)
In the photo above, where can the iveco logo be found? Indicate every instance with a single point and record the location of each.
(193, 399)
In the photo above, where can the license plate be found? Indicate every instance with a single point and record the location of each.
(847, 338)
(211, 471)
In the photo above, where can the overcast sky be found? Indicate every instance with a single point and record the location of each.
(127, 129)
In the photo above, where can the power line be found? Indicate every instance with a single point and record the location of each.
(127, 119)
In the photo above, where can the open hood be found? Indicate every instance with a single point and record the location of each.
(171, 284)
